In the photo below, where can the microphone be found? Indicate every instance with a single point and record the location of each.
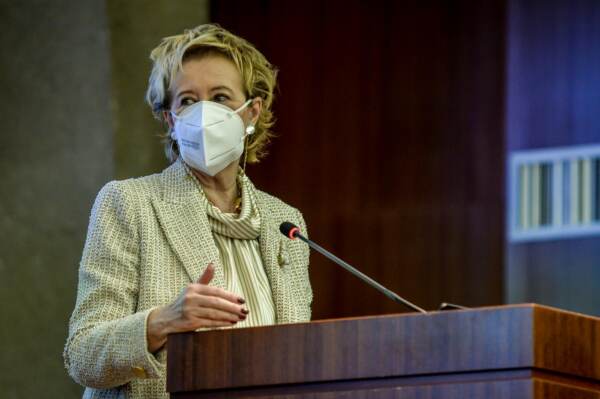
(292, 232)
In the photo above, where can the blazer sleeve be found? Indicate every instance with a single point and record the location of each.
(107, 344)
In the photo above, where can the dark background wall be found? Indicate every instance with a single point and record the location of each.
(395, 120)
(391, 143)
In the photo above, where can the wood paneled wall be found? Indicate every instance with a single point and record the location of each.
(390, 117)
(553, 100)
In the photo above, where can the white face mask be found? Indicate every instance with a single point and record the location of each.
(210, 136)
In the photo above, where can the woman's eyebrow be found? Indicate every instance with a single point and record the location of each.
(182, 92)
(212, 90)
(218, 88)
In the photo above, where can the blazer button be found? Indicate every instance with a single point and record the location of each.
(284, 259)
(139, 372)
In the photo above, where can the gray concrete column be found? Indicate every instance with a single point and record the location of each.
(72, 78)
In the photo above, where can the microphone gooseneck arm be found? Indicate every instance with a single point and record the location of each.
(291, 231)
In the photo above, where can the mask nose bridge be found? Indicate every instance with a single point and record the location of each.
(205, 103)
(230, 114)
(189, 111)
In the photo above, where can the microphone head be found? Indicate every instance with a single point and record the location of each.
(290, 230)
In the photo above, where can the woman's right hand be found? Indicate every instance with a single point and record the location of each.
(198, 306)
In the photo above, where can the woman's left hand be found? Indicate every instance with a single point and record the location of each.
(198, 306)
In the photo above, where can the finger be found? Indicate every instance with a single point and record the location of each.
(197, 290)
(202, 323)
(208, 274)
(213, 323)
(217, 315)
(195, 302)
(221, 293)
(214, 302)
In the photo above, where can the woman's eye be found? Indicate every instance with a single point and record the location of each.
(220, 98)
(187, 101)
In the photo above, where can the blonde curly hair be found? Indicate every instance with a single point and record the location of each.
(258, 76)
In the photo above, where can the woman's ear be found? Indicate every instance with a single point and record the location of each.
(168, 118)
(254, 108)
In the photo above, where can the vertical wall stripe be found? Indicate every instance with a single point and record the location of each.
(524, 197)
(534, 203)
(586, 191)
(557, 190)
(574, 191)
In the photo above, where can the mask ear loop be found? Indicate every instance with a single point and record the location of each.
(249, 131)
(244, 105)
(245, 155)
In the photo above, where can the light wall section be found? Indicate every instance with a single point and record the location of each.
(552, 101)
(73, 77)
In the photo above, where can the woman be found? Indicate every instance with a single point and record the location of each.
(196, 246)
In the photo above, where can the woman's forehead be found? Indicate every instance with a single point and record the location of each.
(207, 72)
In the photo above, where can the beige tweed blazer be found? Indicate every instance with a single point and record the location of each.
(147, 239)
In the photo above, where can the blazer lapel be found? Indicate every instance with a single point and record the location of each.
(270, 247)
(182, 216)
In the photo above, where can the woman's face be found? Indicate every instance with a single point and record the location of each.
(211, 78)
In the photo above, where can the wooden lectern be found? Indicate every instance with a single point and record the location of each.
(516, 351)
